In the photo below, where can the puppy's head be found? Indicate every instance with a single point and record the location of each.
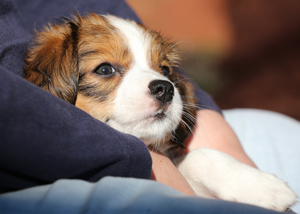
(118, 71)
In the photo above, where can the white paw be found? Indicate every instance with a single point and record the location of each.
(260, 189)
(215, 174)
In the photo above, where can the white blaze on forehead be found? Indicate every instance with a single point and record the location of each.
(134, 104)
(138, 42)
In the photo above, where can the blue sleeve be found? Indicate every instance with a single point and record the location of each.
(43, 138)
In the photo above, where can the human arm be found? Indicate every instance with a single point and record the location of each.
(164, 171)
(212, 131)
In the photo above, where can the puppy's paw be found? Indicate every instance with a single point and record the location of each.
(260, 189)
(213, 174)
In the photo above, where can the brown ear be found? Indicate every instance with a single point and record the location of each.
(188, 117)
(52, 61)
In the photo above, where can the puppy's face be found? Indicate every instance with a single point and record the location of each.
(116, 70)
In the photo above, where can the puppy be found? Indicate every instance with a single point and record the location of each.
(125, 75)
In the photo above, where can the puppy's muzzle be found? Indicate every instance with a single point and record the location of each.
(162, 90)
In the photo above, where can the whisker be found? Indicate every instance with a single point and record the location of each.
(199, 106)
(175, 83)
(189, 117)
(192, 131)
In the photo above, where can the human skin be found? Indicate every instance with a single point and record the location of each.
(211, 131)
(164, 171)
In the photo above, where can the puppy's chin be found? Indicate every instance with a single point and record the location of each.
(154, 129)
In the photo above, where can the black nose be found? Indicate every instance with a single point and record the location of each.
(162, 90)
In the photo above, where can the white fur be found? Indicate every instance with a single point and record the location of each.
(134, 105)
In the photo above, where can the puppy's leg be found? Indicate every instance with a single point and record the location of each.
(214, 174)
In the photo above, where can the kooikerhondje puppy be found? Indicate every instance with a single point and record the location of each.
(124, 75)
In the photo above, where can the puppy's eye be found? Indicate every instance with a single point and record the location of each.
(165, 70)
(105, 69)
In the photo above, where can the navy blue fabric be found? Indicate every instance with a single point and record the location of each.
(37, 13)
(43, 138)
(14, 38)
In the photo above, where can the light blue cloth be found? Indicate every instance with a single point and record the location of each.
(114, 195)
(272, 141)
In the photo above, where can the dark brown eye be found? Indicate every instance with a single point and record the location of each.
(165, 70)
(105, 69)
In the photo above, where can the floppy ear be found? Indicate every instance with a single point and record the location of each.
(188, 117)
(52, 61)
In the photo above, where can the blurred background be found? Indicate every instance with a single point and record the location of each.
(246, 54)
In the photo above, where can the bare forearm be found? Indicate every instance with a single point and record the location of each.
(214, 132)
(164, 171)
